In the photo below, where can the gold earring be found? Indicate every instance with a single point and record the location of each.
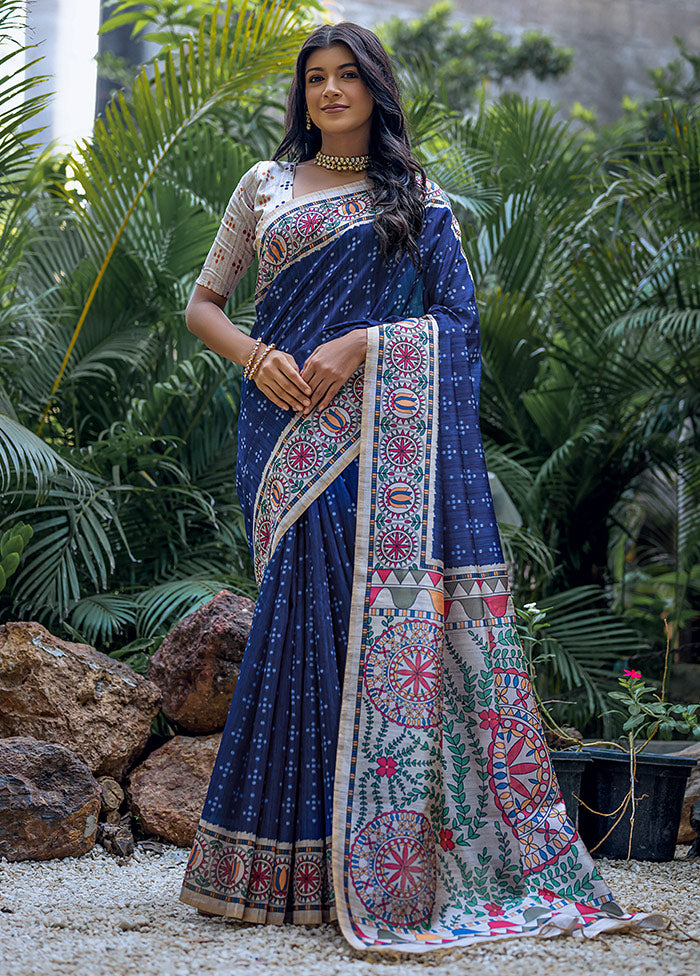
(308, 120)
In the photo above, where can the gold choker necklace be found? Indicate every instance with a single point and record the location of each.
(355, 163)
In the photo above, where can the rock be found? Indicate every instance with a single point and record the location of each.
(686, 832)
(169, 788)
(49, 801)
(196, 667)
(117, 839)
(692, 750)
(72, 694)
(694, 852)
(112, 794)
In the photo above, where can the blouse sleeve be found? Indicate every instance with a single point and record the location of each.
(233, 249)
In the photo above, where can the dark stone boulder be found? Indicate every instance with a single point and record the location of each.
(49, 801)
(196, 667)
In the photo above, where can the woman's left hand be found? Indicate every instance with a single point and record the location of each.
(331, 364)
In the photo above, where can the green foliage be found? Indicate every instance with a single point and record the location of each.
(646, 713)
(458, 61)
(118, 429)
(129, 481)
(12, 543)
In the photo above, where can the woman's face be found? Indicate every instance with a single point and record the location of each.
(337, 99)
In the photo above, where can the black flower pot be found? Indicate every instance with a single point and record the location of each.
(569, 766)
(659, 788)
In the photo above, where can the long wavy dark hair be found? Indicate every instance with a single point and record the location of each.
(396, 192)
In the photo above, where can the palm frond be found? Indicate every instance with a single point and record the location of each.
(130, 146)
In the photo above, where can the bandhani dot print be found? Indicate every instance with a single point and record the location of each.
(403, 673)
(393, 867)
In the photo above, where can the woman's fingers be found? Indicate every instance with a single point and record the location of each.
(290, 370)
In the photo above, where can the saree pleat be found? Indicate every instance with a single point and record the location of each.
(262, 850)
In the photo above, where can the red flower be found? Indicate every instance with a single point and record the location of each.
(489, 720)
(494, 909)
(547, 895)
(632, 674)
(386, 766)
(446, 842)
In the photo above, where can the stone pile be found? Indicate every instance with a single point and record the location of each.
(78, 762)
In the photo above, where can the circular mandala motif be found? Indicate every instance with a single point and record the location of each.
(352, 207)
(404, 403)
(400, 497)
(400, 451)
(393, 867)
(276, 250)
(301, 456)
(276, 493)
(403, 673)
(396, 546)
(308, 222)
(358, 384)
(264, 532)
(307, 879)
(521, 774)
(334, 421)
(260, 876)
(406, 356)
(229, 870)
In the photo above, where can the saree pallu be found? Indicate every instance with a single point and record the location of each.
(383, 761)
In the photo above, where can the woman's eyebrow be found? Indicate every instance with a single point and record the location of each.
(348, 64)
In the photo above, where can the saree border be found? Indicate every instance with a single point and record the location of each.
(258, 879)
(419, 671)
(310, 453)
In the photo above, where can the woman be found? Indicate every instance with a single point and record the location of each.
(383, 761)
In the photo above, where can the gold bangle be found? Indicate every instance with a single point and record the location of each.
(247, 366)
(256, 365)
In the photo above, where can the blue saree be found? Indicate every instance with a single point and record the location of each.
(383, 761)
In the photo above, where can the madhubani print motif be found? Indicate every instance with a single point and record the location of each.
(259, 878)
(310, 453)
(296, 229)
(449, 826)
(300, 228)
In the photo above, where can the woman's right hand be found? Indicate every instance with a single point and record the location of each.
(278, 377)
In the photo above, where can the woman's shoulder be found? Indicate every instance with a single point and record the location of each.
(435, 196)
(262, 182)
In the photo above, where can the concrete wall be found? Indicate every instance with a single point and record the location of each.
(613, 40)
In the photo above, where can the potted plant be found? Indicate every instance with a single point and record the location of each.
(631, 801)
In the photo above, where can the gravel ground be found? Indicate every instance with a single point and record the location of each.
(94, 916)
